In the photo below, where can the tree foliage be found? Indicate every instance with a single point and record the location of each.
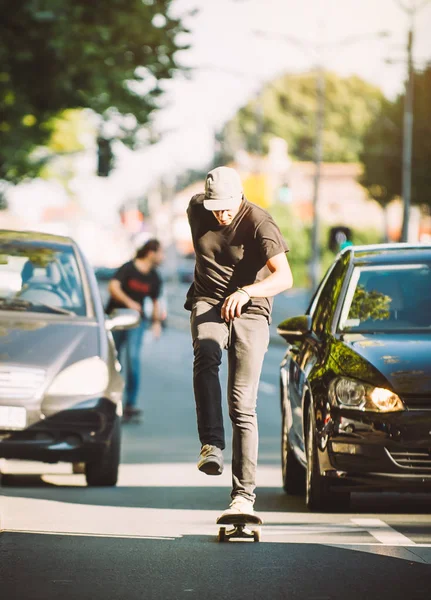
(286, 108)
(383, 147)
(64, 54)
(369, 305)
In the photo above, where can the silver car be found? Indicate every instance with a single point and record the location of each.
(60, 383)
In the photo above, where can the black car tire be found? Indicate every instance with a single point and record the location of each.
(292, 471)
(318, 495)
(104, 471)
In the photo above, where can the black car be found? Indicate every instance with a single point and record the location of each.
(356, 379)
(60, 383)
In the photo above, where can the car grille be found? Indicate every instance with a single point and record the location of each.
(20, 382)
(414, 458)
(417, 402)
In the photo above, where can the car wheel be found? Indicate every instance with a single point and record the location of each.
(318, 495)
(104, 471)
(292, 471)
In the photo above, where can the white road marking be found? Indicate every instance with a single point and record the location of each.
(93, 535)
(384, 533)
(314, 529)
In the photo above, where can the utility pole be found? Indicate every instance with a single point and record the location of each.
(408, 137)
(318, 153)
(411, 10)
(316, 51)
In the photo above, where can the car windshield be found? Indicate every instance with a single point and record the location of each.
(390, 298)
(37, 277)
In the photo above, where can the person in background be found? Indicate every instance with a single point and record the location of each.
(241, 264)
(133, 282)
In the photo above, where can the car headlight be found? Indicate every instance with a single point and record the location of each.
(84, 378)
(350, 393)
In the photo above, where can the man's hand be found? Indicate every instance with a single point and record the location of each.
(135, 306)
(156, 329)
(118, 294)
(233, 304)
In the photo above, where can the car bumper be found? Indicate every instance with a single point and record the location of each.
(78, 434)
(364, 451)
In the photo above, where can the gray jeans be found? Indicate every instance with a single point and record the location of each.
(246, 340)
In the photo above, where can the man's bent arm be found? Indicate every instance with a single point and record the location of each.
(280, 279)
(118, 294)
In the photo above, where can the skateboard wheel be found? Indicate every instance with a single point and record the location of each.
(256, 535)
(222, 534)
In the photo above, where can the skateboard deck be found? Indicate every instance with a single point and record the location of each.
(243, 527)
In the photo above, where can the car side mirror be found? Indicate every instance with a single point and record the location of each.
(122, 318)
(295, 329)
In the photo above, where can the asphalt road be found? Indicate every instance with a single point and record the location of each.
(154, 535)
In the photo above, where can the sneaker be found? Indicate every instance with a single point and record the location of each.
(240, 506)
(132, 414)
(211, 460)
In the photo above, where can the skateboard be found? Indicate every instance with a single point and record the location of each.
(243, 527)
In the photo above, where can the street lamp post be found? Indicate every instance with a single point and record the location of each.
(318, 154)
(407, 142)
(316, 50)
(411, 10)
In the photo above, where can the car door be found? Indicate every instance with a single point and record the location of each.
(296, 358)
(310, 353)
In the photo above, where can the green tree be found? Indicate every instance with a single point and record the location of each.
(383, 147)
(66, 54)
(286, 108)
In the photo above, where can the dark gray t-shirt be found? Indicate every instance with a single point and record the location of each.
(232, 256)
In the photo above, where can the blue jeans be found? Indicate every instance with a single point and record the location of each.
(129, 344)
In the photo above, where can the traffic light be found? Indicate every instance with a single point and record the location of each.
(105, 157)
(339, 237)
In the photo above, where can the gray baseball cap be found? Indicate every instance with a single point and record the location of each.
(223, 189)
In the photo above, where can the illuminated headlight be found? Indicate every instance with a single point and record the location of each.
(87, 377)
(350, 393)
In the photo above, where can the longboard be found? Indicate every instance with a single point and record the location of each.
(240, 527)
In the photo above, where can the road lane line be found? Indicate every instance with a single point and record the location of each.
(91, 534)
(383, 532)
(314, 529)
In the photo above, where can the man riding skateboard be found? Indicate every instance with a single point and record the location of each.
(241, 264)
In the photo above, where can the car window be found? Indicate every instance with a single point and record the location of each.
(389, 298)
(324, 307)
(40, 278)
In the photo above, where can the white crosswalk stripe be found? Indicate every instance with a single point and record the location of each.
(383, 532)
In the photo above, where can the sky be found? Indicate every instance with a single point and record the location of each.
(231, 62)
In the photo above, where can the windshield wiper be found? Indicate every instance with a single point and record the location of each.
(20, 304)
(15, 304)
(58, 309)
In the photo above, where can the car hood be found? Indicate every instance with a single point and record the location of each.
(402, 359)
(50, 344)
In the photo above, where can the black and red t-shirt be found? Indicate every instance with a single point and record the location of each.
(136, 285)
